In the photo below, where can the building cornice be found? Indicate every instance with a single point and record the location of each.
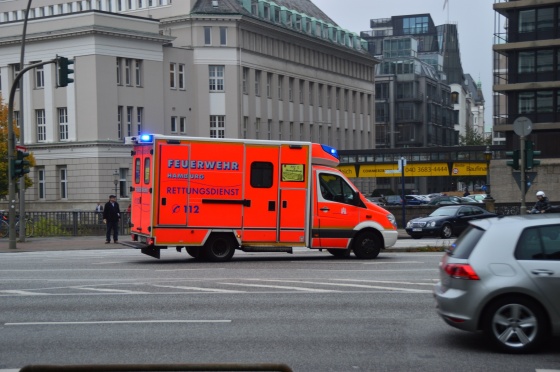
(537, 85)
(504, 7)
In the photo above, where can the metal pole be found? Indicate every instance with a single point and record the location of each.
(21, 131)
(403, 197)
(523, 182)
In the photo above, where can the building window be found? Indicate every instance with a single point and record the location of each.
(15, 72)
(207, 35)
(217, 126)
(138, 72)
(123, 174)
(172, 76)
(41, 125)
(223, 35)
(119, 121)
(216, 78)
(280, 88)
(545, 60)
(129, 120)
(62, 172)
(269, 85)
(119, 62)
(527, 20)
(311, 91)
(257, 83)
(182, 84)
(174, 124)
(269, 130)
(127, 71)
(526, 102)
(257, 127)
(39, 77)
(280, 129)
(62, 123)
(245, 126)
(245, 77)
(41, 189)
(139, 119)
(544, 101)
(301, 89)
(291, 89)
(183, 124)
(16, 118)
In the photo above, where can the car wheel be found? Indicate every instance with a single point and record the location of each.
(446, 231)
(340, 253)
(219, 248)
(366, 245)
(193, 251)
(415, 236)
(516, 324)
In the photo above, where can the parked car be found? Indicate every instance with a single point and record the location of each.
(414, 200)
(393, 199)
(446, 221)
(502, 277)
(377, 200)
(451, 200)
(477, 197)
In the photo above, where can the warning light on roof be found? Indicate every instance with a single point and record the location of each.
(331, 150)
(146, 138)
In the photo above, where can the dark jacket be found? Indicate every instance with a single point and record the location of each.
(542, 205)
(111, 212)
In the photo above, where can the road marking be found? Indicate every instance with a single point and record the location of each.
(387, 281)
(118, 322)
(25, 293)
(280, 287)
(359, 263)
(198, 289)
(110, 290)
(351, 285)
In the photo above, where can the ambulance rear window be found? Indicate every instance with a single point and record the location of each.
(137, 171)
(147, 171)
(261, 174)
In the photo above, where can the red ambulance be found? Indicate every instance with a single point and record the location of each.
(213, 196)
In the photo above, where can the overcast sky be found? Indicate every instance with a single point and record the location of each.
(474, 19)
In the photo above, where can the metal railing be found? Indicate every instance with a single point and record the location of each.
(72, 223)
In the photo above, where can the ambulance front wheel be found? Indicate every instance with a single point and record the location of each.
(219, 247)
(367, 245)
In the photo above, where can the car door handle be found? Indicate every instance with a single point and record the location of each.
(325, 209)
(542, 272)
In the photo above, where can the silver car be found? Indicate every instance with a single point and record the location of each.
(502, 276)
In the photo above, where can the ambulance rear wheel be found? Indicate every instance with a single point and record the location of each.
(367, 245)
(339, 253)
(193, 251)
(219, 248)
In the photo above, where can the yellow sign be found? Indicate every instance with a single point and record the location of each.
(412, 170)
(292, 172)
(348, 170)
(469, 169)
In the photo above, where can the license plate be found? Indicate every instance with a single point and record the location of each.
(417, 229)
(143, 239)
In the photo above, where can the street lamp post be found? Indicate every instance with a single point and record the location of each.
(116, 180)
(488, 157)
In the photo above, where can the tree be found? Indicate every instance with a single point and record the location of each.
(4, 176)
(472, 138)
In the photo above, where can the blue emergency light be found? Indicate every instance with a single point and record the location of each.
(146, 138)
(331, 151)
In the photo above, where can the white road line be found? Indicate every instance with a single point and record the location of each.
(280, 287)
(118, 322)
(110, 290)
(353, 285)
(198, 289)
(386, 281)
(25, 293)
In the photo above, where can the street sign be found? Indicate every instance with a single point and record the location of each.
(529, 178)
(522, 126)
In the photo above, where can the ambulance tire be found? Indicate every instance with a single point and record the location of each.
(194, 252)
(366, 245)
(339, 253)
(219, 248)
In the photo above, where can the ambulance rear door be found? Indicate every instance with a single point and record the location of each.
(141, 206)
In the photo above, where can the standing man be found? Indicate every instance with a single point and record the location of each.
(111, 216)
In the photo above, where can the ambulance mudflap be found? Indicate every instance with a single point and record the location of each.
(213, 196)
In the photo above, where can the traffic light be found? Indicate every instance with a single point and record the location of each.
(530, 154)
(514, 162)
(20, 166)
(63, 64)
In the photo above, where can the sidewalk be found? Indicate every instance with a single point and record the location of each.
(39, 244)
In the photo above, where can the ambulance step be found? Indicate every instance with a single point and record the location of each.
(267, 249)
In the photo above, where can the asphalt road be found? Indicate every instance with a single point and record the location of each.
(308, 310)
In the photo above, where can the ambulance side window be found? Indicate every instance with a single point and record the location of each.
(336, 189)
(261, 174)
(147, 171)
(137, 170)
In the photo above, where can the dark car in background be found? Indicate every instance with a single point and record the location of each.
(446, 221)
(393, 199)
(502, 276)
(451, 200)
(415, 200)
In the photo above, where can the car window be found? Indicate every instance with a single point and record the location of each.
(466, 242)
(539, 243)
